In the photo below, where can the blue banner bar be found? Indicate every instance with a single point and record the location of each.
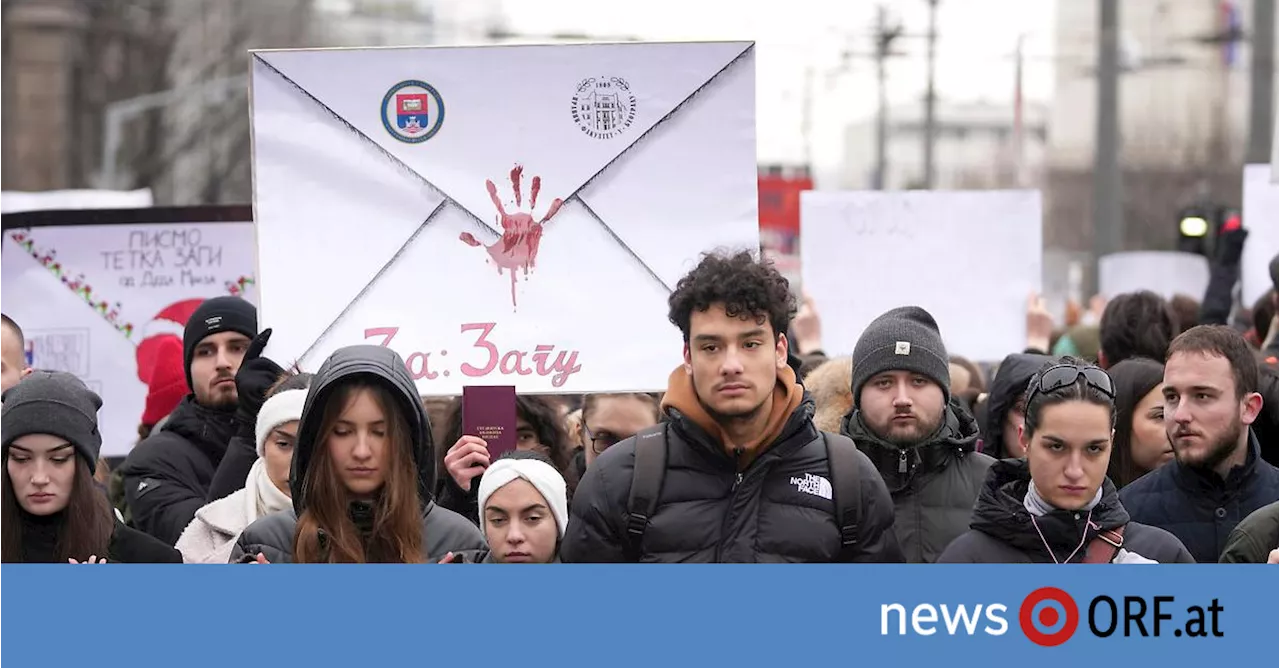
(640, 615)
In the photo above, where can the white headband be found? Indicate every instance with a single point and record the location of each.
(280, 408)
(548, 481)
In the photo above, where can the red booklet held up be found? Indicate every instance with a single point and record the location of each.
(490, 413)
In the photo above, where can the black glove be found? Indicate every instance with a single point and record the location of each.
(256, 375)
(1230, 244)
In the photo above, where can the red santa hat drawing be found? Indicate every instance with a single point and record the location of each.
(167, 325)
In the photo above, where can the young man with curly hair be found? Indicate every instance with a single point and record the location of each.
(737, 472)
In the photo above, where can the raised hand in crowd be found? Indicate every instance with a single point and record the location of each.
(1039, 325)
(807, 327)
(466, 461)
(257, 374)
(93, 559)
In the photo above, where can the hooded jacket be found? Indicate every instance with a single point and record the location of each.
(933, 485)
(443, 530)
(1253, 539)
(167, 476)
(1198, 506)
(1002, 531)
(1009, 384)
(752, 505)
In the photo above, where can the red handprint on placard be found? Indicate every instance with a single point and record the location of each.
(518, 247)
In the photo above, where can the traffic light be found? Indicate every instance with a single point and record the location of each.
(1194, 226)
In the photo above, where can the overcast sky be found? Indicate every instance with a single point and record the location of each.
(976, 41)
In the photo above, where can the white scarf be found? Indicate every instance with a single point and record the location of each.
(1038, 507)
(264, 497)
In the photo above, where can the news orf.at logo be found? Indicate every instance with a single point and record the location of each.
(1049, 617)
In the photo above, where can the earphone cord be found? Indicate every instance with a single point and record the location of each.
(1088, 521)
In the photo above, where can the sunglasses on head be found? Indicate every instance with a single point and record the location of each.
(1064, 375)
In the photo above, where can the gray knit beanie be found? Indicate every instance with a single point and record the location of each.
(55, 403)
(903, 339)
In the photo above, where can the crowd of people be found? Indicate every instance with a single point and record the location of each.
(1136, 433)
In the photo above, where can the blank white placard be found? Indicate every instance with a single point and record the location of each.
(969, 258)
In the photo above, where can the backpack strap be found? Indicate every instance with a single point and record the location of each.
(1105, 546)
(646, 484)
(846, 487)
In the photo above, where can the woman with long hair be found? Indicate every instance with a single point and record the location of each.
(361, 475)
(1056, 504)
(1141, 442)
(211, 536)
(52, 511)
(539, 428)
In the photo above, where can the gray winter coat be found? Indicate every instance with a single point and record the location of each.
(933, 485)
(443, 530)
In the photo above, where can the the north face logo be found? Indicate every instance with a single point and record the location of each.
(813, 484)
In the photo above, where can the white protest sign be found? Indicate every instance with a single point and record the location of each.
(1261, 213)
(1165, 273)
(969, 258)
(97, 300)
(498, 215)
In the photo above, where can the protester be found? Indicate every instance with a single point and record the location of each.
(13, 354)
(737, 473)
(610, 418)
(167, 476)
(1217, 477)
(1030, 509)
(1004, 407)
(362, 474)
(1082, 341)
(210, 537)
(1141, 443)
(1186, 312)
(830, 387)
(525, 509)
(257, 374)
(1255, 538)
(51, 510)
(919, 438)
(539, 428)
(1137, 324)
(166, 387)
(1262, 313)
(971, 378)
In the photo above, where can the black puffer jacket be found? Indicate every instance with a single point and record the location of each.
(1009, 384)
(933, 485)
(443, 530)
(167, 476)
(1002, 531)
(709, 512)
(1199, 507)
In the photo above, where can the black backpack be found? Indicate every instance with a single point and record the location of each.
(651, 468)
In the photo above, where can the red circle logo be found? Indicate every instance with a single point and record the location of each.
(1041, 620)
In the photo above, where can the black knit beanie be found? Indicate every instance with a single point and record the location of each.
(903, 339)
(55, 403)
(220, 314)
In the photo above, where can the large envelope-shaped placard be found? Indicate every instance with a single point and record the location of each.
(513, 215)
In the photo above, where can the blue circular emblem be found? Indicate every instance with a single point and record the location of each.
(412, 111)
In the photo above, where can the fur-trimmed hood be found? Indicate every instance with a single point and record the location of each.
(830, 385)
